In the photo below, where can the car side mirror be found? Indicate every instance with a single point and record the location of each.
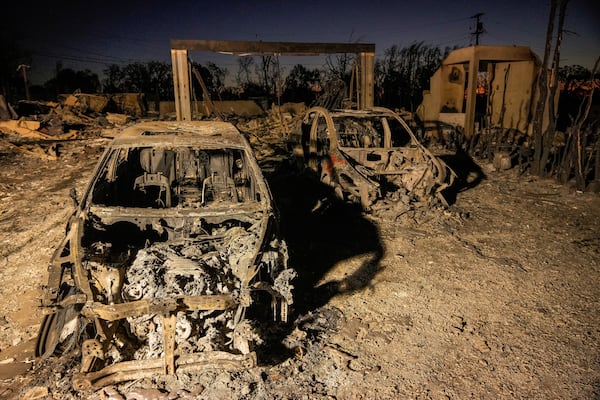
(74, 196)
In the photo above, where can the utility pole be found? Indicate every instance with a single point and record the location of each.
(24, 68)
(478, 27)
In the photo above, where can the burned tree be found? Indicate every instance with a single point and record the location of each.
(543, 135)
(580, 157)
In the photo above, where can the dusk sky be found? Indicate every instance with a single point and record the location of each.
(94, 34)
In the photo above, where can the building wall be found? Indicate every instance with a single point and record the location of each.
(446, 94)
(511, 94)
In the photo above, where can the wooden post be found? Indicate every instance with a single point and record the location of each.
(181, 85)
(206, 95)
(367, 88)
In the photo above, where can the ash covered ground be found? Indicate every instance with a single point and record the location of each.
(494, 297)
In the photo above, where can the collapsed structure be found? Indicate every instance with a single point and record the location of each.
(483, 88)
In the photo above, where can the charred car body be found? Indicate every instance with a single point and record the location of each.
(366, 155)
(172, 247)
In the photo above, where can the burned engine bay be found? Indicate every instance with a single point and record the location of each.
(171, 263)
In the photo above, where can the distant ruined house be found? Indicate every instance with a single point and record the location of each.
(481, 88)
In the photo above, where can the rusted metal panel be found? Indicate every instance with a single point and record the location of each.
(130, 370)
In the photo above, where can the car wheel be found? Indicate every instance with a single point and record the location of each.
(58, 332)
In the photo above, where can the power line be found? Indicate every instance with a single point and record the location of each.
(457, 41)
(75, 58)
(104, 56)
(139, 42)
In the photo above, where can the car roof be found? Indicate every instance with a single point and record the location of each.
(363, 113)
(209, 134)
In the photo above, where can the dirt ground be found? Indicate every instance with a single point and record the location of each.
(496, 297)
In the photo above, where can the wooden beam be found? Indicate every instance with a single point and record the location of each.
(260, 48)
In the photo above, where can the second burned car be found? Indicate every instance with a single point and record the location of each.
(368, 155)
(171, 259)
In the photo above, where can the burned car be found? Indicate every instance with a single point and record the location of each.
(171, 261)
(367, 155)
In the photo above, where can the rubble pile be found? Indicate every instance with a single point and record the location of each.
(268, 134)
(279, 122)
(423, 315)
(34, 128)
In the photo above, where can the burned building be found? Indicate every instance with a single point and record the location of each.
(482, 88)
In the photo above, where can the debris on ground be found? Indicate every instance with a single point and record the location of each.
(472, 301)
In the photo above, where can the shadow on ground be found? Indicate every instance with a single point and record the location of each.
(468, 173)
(321, 232)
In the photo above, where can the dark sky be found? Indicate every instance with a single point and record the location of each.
(93, 34)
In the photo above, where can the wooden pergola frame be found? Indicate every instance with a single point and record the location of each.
(179, 57)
